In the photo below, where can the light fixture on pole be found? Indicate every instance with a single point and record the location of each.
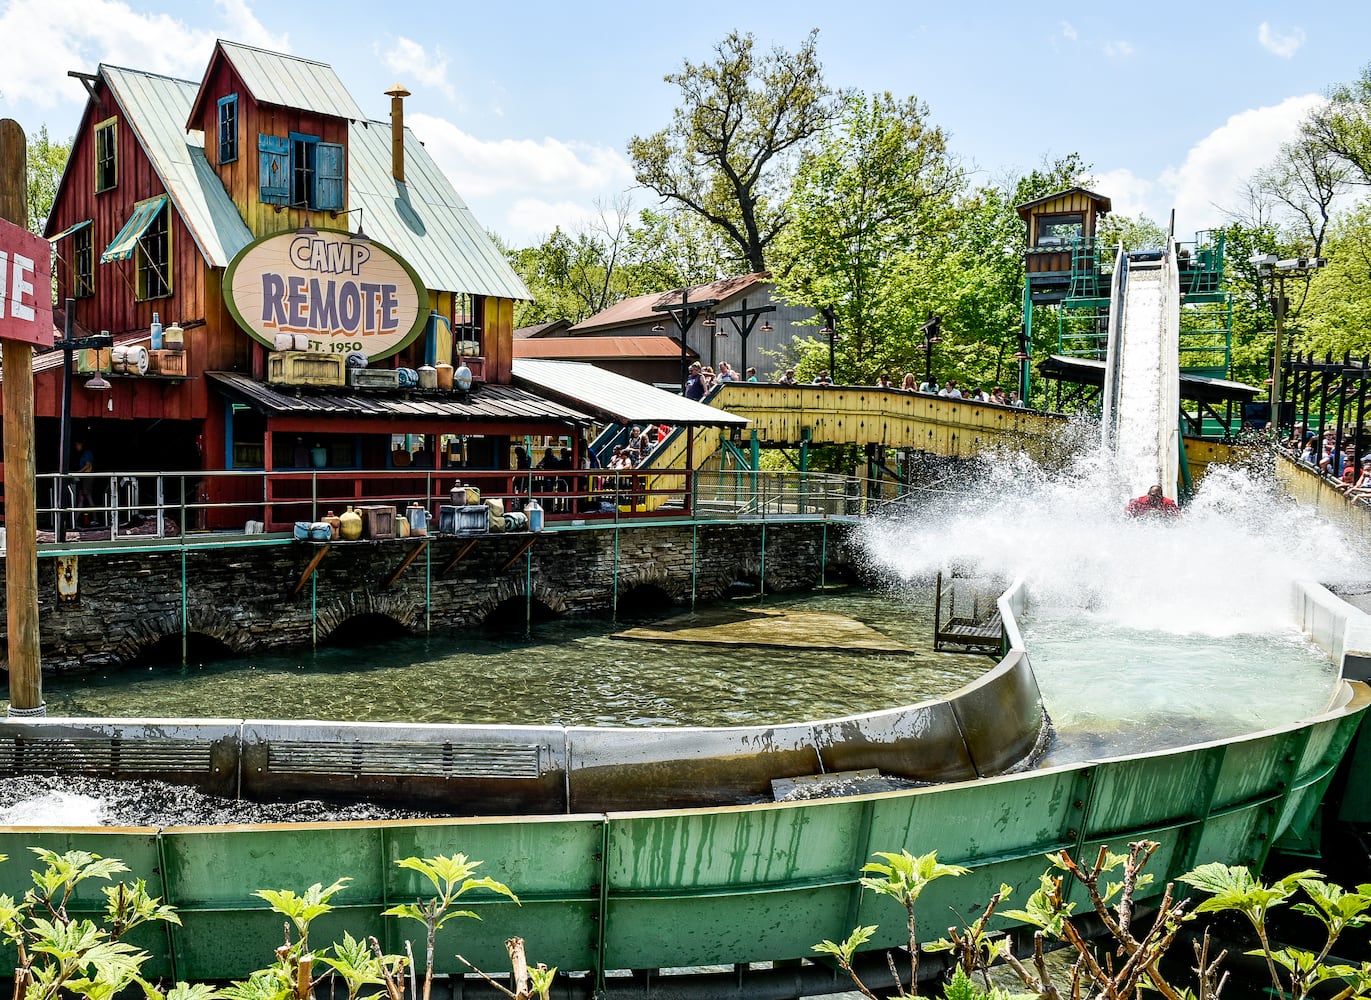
(308, 228)
(932, 331)
(360, 236)
(743, 320)
(1269, 266)
(830, 330)
(66, 345)
(683, 314)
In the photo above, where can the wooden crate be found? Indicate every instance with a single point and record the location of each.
(305, 368)
(93, 359)
(166, 362)
(374, 378)
(378, 521)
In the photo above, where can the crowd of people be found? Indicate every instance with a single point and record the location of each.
(1335, 459)
(949, 390)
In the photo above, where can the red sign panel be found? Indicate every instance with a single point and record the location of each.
(25, 286)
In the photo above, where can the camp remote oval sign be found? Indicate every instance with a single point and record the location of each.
(346, 295)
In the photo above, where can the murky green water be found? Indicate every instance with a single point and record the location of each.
(571, 672)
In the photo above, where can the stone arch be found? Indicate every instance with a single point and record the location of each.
(509, 589)
(395, 605)
(147, 631)
(653, 575)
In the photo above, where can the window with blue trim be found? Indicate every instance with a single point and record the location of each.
(301, 172)
(228, 128)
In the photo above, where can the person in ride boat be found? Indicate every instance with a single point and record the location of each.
(1154, 503)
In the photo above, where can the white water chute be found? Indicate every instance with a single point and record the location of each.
(1142, 371)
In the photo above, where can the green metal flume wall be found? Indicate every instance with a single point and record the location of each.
(713, 886)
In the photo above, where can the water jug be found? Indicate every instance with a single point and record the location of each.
(335, 525)
(534, 510)
(418, 519)
(351, 523)
(156, 333)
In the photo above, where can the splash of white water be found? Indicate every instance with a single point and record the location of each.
(1225, 567)
(55, 809)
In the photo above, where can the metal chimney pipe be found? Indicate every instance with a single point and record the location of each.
(397, 95)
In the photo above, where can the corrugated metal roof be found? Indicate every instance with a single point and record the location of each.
(615, 397)
(291, 82)
(156, 108)
(487, 403)
(635, 310)
(598, 347)
(424, 219)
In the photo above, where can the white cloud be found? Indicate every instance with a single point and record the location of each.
(411, 59)
(1127, 192)
(1118, 49)
(1215, 171)
(1283, 44)
(533, 185)
(1068, 31)
(62, 35)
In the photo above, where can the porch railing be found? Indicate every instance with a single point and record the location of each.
(111, 506)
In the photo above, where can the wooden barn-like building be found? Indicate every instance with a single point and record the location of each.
(261, 203)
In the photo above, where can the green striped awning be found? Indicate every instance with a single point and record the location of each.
(69, 230)
(122, 246)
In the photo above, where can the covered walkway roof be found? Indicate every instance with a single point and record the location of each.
(1089, 371)
(615, 398)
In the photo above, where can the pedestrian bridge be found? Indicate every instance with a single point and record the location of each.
(882, 420)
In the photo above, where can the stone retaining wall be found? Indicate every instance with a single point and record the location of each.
(243, 595)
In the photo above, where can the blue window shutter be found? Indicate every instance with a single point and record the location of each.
(328, 176)
(275, 179)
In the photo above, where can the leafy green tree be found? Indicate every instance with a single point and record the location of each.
(879, 188)
(729, 151)
(675, 248)
(1337, 314)
(46, 162)
(1135, 232)
(1342, 127)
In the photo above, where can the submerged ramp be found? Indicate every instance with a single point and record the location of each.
(1142, 371)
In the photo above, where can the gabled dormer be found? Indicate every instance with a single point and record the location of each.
(276, 131)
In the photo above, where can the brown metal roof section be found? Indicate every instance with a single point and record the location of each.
(598, 348)
(631, 312)
(549, 329)
(487, 403)
(1103, 203)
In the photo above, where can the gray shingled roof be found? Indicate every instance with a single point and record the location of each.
(156, 108)
(424, 219)
(291, 82)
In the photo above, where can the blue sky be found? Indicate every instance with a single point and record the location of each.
(529, 106)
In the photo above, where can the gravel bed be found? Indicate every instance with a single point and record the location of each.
(73, 800)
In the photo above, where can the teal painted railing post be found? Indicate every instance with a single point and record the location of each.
(614, 595)
(602, 917)
(823, 557)
(185, 609)
(314, 609)
(528, 592)
(428, 587)
(694, 561)
(761, 579)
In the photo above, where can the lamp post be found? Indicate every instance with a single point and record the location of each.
(683, 314)
(743, 320)
(66, 345)
(932, 330)
(1268, 266)
(830, 330)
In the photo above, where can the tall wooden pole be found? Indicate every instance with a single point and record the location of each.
(21, 517)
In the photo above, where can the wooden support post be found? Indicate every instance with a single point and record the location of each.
(413, 554)
(461, 554)
(517, 556)
(309, 570)
(21, 514)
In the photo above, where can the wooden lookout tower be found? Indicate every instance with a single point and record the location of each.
(1062, 257)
